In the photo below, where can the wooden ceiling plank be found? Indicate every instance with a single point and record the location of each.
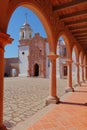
(73, 15)
(82, 21)
(79, 30)
(69, 5)
(81, 27)
(80, 35)
(82, 42)
(81, 38)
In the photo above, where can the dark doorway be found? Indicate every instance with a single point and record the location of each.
(65, 70)
(36, 70)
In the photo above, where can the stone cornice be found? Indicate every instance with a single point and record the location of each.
(5, 39)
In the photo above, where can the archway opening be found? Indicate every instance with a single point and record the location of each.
(25, 83)
(14, 72)
(74, 78)
(61, 66)
(80, 62)
(36, 70)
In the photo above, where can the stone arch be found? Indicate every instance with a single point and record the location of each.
(67, 43)
(81, 57)
(41, 13)
(74, 64)
(76, 52)
(84, 59)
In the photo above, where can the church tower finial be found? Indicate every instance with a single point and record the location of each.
(26, 17)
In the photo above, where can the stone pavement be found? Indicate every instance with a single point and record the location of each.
(24, 96)
(70, 114)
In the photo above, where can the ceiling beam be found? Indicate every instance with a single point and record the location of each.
(73, 15)
(80, 27)
(82, 40)
(80, 35)
(69, 5)
(84, 48)
(82, 21)
(79, 30)
(82, 44)
(79, 38)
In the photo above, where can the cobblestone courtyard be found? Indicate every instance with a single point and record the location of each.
(23, 97)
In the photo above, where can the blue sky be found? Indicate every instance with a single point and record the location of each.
(17, 20)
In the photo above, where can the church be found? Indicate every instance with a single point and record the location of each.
(32, 57)
(33, 54)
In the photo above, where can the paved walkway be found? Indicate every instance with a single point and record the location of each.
(70, 114)
(24, 97)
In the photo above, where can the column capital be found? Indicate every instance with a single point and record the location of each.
(4, 39)
(77, 64)
(69, 61)
(82, 65)
(53, 56)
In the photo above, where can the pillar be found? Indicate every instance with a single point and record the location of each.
(85, 69)
(77, 74)
(4, 39)
(84, 72)
(52, 98)
(69, 77)
(82, 68)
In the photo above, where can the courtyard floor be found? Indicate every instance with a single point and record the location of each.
(24, 96)
(69, 114)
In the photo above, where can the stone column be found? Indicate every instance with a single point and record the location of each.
(85, 69)
(52, 98)
(69, 77)
(2, 127)
(84, 73)
(82, 66)
(78, 74)
(4, 39)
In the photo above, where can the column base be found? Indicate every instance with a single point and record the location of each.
(3, 127)
(77, 85)
(69, 89)
(52, 100)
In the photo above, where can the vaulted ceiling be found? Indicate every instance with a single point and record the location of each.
(74, 15)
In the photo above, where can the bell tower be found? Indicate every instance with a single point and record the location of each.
(25, 30)
(23, 48)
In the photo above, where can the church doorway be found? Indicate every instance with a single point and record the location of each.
(65, 70)
(36, 70)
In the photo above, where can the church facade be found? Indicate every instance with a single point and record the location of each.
(32, 52)
(32, 57)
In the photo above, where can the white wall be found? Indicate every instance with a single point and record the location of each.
(23, 60)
